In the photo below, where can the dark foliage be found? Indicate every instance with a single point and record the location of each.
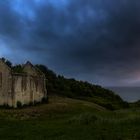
(17, 69)
(7, 62)
(136, 104)
(5, 106)
(59, 85)
(45, 100)
(19, 104)
(108, 106)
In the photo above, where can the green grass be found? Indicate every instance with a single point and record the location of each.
(69, 119)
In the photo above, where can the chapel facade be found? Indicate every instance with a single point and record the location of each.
(26, 87)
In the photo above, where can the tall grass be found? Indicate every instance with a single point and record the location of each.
(85, 118)
(68, 119)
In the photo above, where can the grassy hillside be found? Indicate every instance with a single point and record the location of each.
(69, 119)
(61, 86)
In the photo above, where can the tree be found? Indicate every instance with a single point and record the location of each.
(6, 61)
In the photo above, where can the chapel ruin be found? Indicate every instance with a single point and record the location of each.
(26, 87)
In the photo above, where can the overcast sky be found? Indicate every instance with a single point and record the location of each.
(93, 40)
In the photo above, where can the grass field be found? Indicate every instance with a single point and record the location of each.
(69, 119)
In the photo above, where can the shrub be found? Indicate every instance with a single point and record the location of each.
(45, 100)
(36, 103)
(125, 105)
(19, 104)
(108, 106)
(30, 104)
(5, 106)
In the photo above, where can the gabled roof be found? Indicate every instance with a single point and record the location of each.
(29, 64)
(2, 62)
(27, 68)
(30, 69)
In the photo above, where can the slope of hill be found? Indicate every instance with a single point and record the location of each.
(69, 119)
(59, 85)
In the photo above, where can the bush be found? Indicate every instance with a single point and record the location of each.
(125, 105)
(108, 106)
(36, 103)
(19, 104)
(45, 100)
(5, 106)
(30, 104)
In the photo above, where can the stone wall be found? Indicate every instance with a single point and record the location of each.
(28, 87)
(6, 95)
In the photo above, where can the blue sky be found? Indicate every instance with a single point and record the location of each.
(92, 40)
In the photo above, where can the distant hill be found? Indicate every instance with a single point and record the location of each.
(59, 85)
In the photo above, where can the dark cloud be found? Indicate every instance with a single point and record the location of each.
(94, 40)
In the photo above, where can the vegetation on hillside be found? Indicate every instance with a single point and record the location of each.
(59, 85)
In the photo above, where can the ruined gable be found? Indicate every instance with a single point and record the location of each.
(4, 68)
(25, 87)
(30, 69)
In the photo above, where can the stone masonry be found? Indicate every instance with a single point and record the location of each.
(26, 87)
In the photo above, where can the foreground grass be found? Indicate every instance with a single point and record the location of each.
(68, 119)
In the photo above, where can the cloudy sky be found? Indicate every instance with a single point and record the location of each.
(93, 40)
